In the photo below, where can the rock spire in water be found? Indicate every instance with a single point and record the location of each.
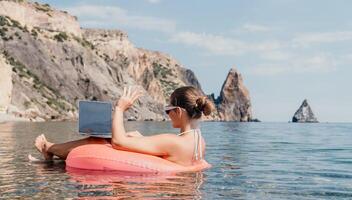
(304, 114)
(234, 101)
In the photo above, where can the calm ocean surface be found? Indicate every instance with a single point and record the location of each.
(250, 161)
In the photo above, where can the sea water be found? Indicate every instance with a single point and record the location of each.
(250, 161)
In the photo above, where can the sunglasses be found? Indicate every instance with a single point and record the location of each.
(169, 108)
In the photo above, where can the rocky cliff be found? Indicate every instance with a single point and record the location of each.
(234, 100)
(159, 73)
(304, 114)
(55, 63)
(5, 84)
(41, 16)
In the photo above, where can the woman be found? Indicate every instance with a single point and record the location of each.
(185, 109)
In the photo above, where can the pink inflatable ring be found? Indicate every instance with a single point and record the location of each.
(104, 157)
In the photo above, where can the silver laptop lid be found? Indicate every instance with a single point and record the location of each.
(95, 118)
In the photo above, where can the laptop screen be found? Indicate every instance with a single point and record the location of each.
(95, 118)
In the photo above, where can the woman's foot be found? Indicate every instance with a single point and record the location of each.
(43, 145)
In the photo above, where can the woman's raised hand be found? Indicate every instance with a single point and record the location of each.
(128, 97)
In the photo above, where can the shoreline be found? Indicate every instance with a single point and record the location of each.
(4, 117)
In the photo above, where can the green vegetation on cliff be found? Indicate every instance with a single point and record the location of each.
(54, 100)
(83, 42)
(60, 37)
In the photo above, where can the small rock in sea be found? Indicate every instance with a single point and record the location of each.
(304, 114)
(255, 120)
(131, 119)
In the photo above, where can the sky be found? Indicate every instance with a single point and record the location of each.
(286, 50)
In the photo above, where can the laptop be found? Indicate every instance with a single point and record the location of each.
(95, 118)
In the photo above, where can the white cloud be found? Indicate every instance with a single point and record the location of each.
(213, 43)
(154, 1)
(315, 64)
(96, 15)
(252, 28)
(308, 39)
(221, 45)
(274, 57)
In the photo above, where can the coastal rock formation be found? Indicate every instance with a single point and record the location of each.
(55, 63)
(158, 72)
(42, 16)
(304, 114)
(48, 63)
(234, 101)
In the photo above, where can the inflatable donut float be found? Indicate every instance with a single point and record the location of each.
(104, 158)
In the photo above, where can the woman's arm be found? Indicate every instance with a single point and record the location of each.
(134, 134)
(125, 102)
(118, 128)
(158, 145)
(155, 145)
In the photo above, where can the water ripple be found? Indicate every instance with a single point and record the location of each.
(250, 161)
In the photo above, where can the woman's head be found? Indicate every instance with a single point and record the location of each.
(191, 101)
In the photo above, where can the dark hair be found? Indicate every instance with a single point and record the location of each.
(190, 98)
